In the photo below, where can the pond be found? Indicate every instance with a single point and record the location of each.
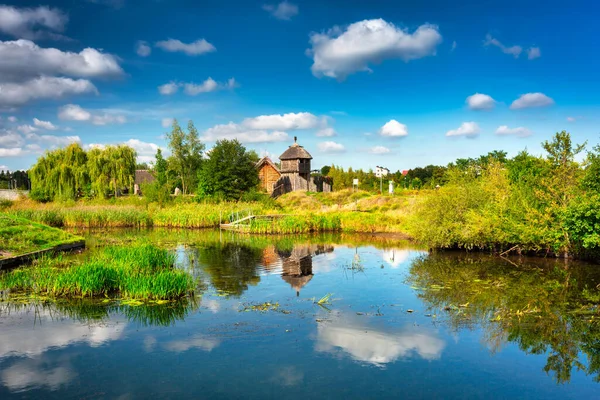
(330, 316)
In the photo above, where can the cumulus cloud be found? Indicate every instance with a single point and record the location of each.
(32, 23)
(44, 124)
(530, 100)
(520, 131)
(283, 11)
(22, 59)
(379, 150)
(10, 152)
(20, 93)
(393, 128)
(468, 129)
(480, 101)
(14, 144)
(10, 139)
(533, 53)
(193, 89)
(289, 121)
(142, 49)
(326, 132)
(242, 133)
(200, 46)
(331, 147)
(145, 151)
(26, 129)
(168, 88)
(339, 52)
(512, 50)
(73, 112)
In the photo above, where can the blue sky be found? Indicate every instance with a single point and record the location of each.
(360, 83)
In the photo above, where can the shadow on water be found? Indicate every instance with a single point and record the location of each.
(544, 306)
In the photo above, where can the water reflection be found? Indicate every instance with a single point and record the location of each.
(546, 307)
(376, 346)
(298, 264)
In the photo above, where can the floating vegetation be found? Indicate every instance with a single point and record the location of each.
(263, 307)
(325, 299)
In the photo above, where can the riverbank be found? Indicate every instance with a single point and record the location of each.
(19, 237)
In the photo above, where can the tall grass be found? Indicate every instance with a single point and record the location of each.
(306, 223)
(138, 272)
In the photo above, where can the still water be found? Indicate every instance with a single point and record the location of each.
(399, 323)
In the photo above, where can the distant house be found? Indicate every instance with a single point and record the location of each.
(268, 174)
(142, 176)
(295, 173)
(381, 171)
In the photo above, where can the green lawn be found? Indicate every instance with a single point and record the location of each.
(20, 236)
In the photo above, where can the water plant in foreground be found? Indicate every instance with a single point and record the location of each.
(138, 272)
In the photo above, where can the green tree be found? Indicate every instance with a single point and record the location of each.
(325, 170)
(160, 168)
(229, 171)
(186, 150)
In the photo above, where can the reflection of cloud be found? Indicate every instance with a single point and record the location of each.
(376, 347)
(212, 305)
(289, 376)
(195, 342)
(27, 373)
(395, 257)
(149, 343)
(323, 263)
(25, 339)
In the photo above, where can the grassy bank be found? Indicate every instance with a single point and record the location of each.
(307, 212)
(133, 272)
(19, 235)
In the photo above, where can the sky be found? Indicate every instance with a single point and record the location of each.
(398, 84)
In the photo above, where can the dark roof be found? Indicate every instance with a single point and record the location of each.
(295, 152)
(143, 176)
(266, 160)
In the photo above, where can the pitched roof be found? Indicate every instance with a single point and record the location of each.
(295, 152)
(266, 160)
(143, 176)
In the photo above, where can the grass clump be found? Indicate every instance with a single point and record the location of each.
(138, 272)
(19, 236)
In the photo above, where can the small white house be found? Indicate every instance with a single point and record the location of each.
(381, 171)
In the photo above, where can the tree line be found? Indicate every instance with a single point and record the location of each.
(226, 171)
(14, 180)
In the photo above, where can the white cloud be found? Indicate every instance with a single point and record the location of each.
(326, 132)
(10, 139)
(198, 47)
(22, 59)
(10, 152)
(166, 122)
(520, 131)
(44, 124)
(145, 151)
(289, 121)
(73, 112)
(12, 118)
(26, 129)
(468, 129)
(17, 94)
(513, 50)
(331, 147)
(142, 49)
(379, 150)
(571, 119)
(339, 53)
(480, 101)
(533, 53)
(32, 23)
(530, 100)
(243, 134)
(284, 10)
(194, 342)
(193, 89)
(168, 88)
(393, 128)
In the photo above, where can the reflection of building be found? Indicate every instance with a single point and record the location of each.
(297, 264)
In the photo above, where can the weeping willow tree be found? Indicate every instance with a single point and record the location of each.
(66, 173)
(60, 174)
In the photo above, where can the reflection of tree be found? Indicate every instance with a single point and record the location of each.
(543, 307)
(232, 267)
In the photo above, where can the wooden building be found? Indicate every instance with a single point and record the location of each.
(268, 173)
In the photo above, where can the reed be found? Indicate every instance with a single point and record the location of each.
(139, 272)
